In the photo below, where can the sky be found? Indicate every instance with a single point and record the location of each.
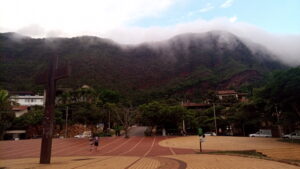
(274, 23)
(44, 18)
(278, 16)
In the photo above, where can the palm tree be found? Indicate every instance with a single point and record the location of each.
(6, 113)
(4, 100)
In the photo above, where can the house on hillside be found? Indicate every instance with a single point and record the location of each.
(27, 99)
(243, 97)
(23, 100)
(20, 110)
(223, 94)
(198, 106)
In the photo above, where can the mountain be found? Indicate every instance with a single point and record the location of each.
(182, 64)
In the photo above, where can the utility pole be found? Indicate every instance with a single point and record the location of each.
(49, 78)
(67, 114)
(215, 119)
(278, 121)
(183, 127)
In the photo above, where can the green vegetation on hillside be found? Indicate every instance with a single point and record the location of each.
(164, 70)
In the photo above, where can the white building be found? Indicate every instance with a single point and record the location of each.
(28, 100)
(227, 93)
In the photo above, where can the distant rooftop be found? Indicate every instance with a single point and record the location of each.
(190, 104)
(19, 108)
(27, 97)
(22, 93)
(222, 92)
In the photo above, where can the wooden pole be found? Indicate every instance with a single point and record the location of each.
(215, 119)
(67, 114)
(46, 146)
(200, 145)
(49, 78)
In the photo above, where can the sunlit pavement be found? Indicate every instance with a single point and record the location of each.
(142, 152)
(268, 146)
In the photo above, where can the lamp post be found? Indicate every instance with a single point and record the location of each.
(215, 119)
(109, 119)
(67, 114)
(277, 114)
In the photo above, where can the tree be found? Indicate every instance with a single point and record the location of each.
(125, 115)
(6, 113)
(171, 117)
(65, 98)
(282, 96)
(109, 99)
(86, 113)
(32, 119)
(109, 96)
(151, 113)
(163, 116)
(244, 116)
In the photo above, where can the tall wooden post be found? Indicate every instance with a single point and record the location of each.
(50, 78)
(67, 114)
(215, 119)
(200, 145)
(46, 146)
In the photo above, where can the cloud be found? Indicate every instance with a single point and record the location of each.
(112, 19)
(284, 46)
(77, 16)
(227, 4)
(208, 7)
(233, 19)
(32, 30)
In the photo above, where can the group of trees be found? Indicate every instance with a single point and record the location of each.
(85, 106)
(90, 106)
(279, 99)
(161, 115)
(277, 102)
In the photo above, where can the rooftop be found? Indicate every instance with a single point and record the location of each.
(222, 92)
(189, 104)
(19, 108)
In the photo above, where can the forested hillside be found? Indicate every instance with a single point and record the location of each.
(183, 65)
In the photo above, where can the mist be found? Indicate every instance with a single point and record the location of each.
(284, 47)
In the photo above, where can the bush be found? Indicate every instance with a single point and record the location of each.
(148, 132)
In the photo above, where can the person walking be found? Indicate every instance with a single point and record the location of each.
(96, 143)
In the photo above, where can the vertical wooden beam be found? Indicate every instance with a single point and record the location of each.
(45, 156)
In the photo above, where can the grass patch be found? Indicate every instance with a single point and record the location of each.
(252, 153)
(293, 141)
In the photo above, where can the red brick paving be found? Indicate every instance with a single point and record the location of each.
(109, 146)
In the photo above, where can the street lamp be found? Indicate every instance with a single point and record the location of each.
(215, 119)
(277, 114)
(67, 114)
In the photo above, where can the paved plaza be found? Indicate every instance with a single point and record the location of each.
(140, 152)
(268, 146)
